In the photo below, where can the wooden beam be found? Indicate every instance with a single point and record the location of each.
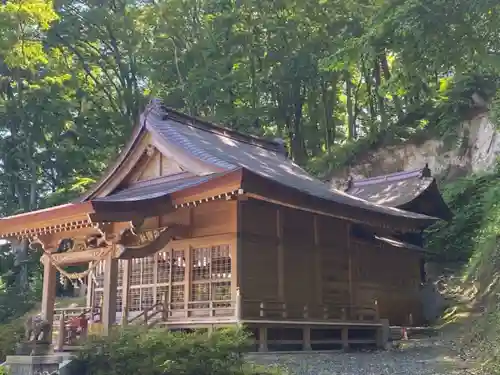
(79, 257)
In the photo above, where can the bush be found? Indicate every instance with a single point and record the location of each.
(474, 202)
(133, 351)
(11, 334)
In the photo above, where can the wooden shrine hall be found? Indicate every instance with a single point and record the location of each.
(198, 226)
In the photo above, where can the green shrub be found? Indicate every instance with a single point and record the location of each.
(11, 334)
(133, 351)
(4, 371)
(474, 202)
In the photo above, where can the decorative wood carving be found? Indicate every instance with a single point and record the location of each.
(69, 258)
(149, 242)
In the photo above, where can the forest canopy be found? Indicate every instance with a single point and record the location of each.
(74, 76)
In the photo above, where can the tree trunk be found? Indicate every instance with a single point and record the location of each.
(298, 144)
(387, 77)
(329, 104)
(369, 93)
(381, 102)
(351, 131)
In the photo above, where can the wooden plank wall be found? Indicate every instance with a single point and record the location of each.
(392, 277)
(299, 258)
(333, 243)
(258, 251)
(309, 253)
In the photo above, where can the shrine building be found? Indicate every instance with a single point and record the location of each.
(198, 226)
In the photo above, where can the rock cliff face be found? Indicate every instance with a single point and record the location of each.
(475, 149)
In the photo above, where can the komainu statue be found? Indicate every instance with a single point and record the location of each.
(37, 329)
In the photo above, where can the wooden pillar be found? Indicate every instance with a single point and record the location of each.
(127, 271)
(234, 267)
(187, 280)
(306, 338)
(187, 270)
(383, 334)
(350, 271)
(281, 255)
(345, 338)
(262, 339)
(110, 289)
(90, 289)
(318, 271)
(48, 291)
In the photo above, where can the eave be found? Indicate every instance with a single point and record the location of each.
(258, 187)
(77, 216)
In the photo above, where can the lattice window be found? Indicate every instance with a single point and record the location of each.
(161, 293)
(135, 299)
(221, 262)
(200, 264)
(99, 274)
(119, 301)
(211, 267)
(221, 291)
(178, 266)
(163, 267)
(200, 292)
(135, 276)
(147, 298)
(177, 293)
(98, 298)
(121, 265)
(147, 270)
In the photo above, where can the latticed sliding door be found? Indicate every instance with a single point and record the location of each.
(210, 274)
(162, 277)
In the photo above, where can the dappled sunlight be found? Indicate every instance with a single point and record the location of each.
(227, 141)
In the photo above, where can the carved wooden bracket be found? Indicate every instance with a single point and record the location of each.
(150, 242)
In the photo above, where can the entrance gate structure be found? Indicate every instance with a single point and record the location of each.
(198, 226)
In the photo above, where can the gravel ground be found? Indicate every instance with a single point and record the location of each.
(430, 356)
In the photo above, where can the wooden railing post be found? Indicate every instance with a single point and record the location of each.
(284, 312)
(306, 312)
(211, 306)
(165, 307)
(377, 312)
(62, 331)
(237, 309)
(262, 306)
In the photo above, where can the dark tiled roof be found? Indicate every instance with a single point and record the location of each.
(400, 190)
(392, 190)
(155, 189)
(226, 151)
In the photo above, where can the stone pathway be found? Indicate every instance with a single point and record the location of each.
(429, 356)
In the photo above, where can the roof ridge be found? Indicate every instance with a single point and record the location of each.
(156, 106)
(396, 176)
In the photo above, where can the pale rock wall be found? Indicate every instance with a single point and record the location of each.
(476, 149)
